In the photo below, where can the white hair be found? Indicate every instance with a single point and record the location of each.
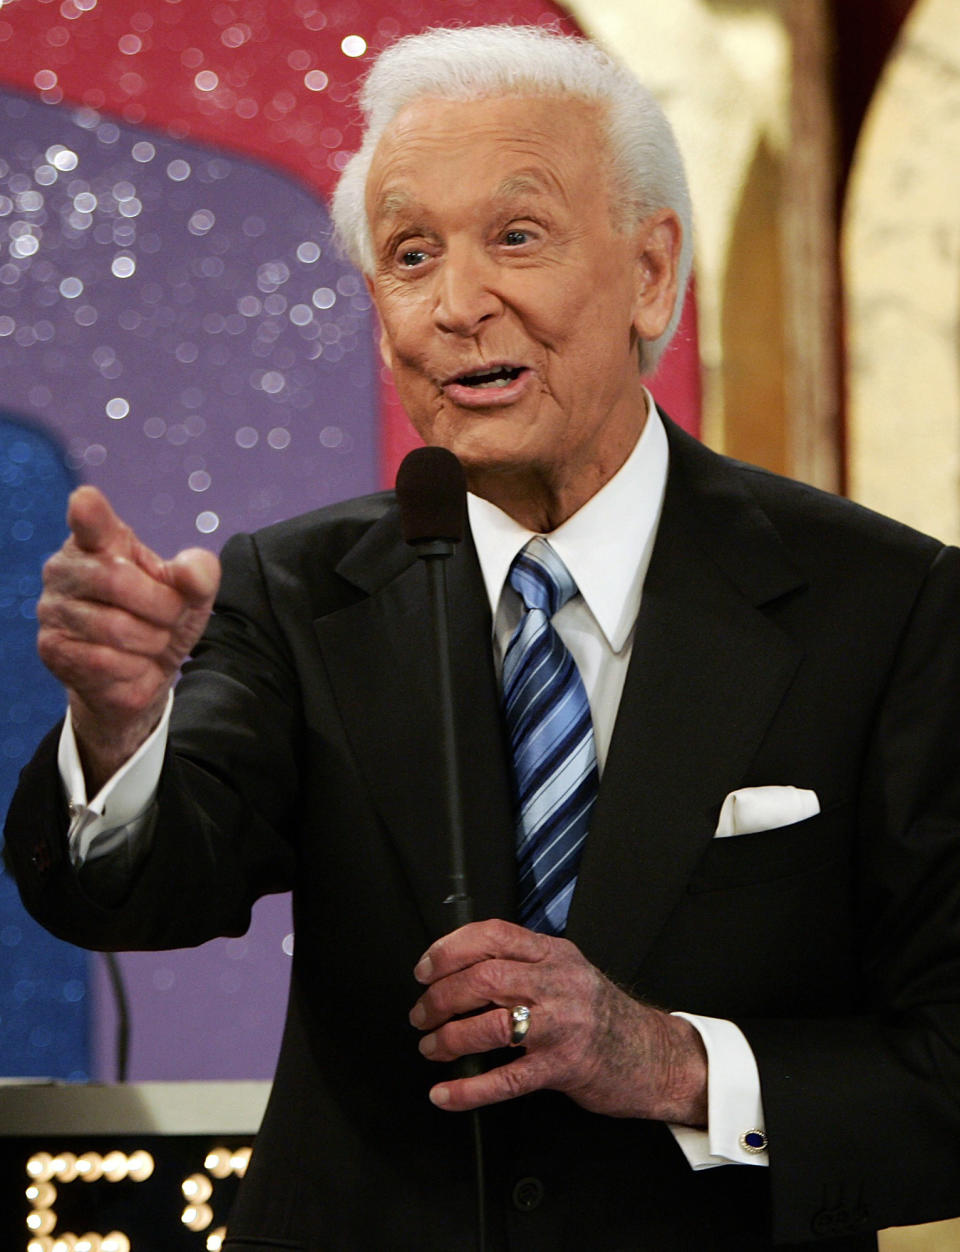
(476, 62)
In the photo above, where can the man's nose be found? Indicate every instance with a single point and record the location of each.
(467, 294)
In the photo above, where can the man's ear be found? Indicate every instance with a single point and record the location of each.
(386, 352)
(658, 257)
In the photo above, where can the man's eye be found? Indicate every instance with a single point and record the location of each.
(412, 257)
(516, 237)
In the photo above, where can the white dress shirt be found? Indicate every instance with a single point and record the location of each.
(597, 626)
(606, 545)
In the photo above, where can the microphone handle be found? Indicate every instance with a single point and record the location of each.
(459, 900)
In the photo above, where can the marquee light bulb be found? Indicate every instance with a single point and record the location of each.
(197, 1216)
(41, 1195)
(197, 1188)
(140, 1166)
(90, 1166)
(239, 1161)
(219, 1162)
(115, 1166)
(64, 1166)
(40, 1166)
(41, 1221)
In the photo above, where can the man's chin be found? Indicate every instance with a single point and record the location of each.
(486, 446)
(488, 475)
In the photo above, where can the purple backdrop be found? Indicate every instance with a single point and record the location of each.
(179, 321)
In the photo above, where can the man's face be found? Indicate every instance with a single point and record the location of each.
(510, 305)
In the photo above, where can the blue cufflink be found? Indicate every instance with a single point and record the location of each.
(754, 1141)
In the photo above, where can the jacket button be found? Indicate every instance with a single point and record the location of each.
(528, 1194)
(825, 1223)
(840, 1221)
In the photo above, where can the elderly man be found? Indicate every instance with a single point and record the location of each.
(762, 679)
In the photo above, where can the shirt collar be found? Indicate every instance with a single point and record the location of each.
(606, 545)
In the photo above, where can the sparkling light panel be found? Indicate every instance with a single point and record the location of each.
(181, 319)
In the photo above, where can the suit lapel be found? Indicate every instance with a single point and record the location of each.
(379, 658)
(708, 671)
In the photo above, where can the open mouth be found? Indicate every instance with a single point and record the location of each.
(502, 376)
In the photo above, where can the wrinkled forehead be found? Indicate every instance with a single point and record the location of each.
(507, 146)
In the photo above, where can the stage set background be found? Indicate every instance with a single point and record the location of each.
(176, 328)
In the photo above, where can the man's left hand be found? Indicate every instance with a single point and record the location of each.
(609, 1052)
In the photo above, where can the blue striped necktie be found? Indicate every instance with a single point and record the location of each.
(551, 736)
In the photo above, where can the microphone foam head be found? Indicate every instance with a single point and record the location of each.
(432, 495)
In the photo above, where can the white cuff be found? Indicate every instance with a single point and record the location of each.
(119, 809)
(735, 1125)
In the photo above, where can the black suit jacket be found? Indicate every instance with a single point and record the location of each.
(785, 637)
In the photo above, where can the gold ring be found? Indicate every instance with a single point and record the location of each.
(519, 1024)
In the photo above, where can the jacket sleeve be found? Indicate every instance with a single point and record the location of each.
(226, 791)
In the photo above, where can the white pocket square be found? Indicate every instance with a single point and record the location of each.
(752, 809)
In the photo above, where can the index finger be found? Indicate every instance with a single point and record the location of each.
(92, 520)
(480, 941)
(97, 529)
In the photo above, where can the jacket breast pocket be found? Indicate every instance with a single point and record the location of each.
(767, 855)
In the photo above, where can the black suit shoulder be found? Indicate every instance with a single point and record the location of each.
(800, 508)
(794, 503)
(827, 539)
(343, 523)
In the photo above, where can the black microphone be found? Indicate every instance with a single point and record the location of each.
(432, 495)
